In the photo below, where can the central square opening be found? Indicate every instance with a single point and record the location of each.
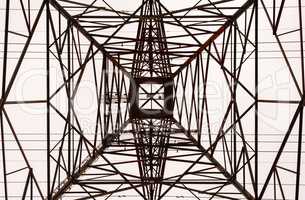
(151, 96)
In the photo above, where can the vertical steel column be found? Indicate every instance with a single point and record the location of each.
(48, 100)
(3, 94)
(256, 102)
(105, 96)
(234, 110)
(69, 97)
(299, 156)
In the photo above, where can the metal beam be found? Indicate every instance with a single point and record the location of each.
(207, 43)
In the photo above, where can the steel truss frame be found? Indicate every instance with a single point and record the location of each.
(132, 153)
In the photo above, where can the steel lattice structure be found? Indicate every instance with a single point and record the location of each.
(156, 130)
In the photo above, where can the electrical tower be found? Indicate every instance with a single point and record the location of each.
(152, 99)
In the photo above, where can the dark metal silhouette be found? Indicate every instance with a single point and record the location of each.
(151, 101)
